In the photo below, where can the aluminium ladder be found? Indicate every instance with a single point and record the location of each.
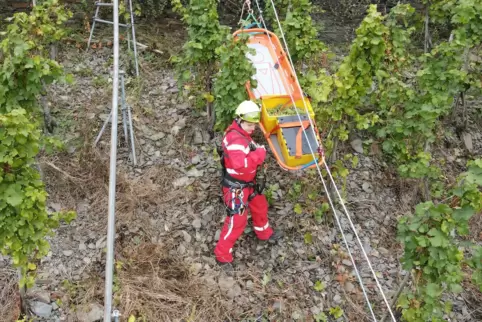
(96, 18)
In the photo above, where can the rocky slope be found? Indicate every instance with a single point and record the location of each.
(169, 217)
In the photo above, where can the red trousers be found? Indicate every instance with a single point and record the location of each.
(234, 225)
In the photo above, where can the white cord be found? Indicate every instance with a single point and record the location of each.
(326, 189)
(329, 173)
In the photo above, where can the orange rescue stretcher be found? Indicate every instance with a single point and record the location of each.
(277, 89)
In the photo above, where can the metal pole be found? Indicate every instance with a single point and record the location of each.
(92, 29)
(109, 266)
(134, 37)
(103, 128)
(128, 39)
(123, 104)
(131, 128)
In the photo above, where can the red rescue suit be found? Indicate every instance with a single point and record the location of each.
(241, 164)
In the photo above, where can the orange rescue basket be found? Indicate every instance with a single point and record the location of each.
(277, 89)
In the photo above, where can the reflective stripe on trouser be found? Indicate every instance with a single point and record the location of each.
(234, 226)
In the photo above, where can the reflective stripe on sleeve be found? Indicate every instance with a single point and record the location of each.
(262, 228)
(237, 147)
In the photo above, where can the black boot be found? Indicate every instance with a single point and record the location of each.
(276, 236)
(226, 267)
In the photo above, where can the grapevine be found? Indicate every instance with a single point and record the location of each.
(235, 71)
(384, 88)
(25, 222)
(23, 47)
(153, 8)
(345, 90)
(299, 29)
(197, 64)
(411, 107)
(432, 252)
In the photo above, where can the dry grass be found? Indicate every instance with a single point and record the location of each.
(73, 178)
(473, 299)
(159, 287)
(9, 295)
(85, 176)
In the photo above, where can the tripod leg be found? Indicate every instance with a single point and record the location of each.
(107, 120)
(134, 37)
(123, 104)
(128, 39)
(92, 29)
(132, 135)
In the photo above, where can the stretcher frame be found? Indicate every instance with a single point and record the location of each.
(276, 84)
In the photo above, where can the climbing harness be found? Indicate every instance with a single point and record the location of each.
(311, 139)
(237, 206)
(236, 186)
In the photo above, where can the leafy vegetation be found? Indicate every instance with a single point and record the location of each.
(235, 70)
(412, 107)
(346, 88)
(153, 8)
(298, 27)
(25, 222)
(197, 63)
(432, 251)
(385, 89)
(24, 46)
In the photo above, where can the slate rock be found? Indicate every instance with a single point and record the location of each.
(41, 309)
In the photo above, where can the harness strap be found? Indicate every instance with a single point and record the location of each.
(237, 185)
(230, 182)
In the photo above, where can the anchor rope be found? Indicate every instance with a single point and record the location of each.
(329, 174)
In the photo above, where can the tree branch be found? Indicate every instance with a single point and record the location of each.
(428, 41)
(397, 295)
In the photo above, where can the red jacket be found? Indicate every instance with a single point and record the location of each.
(240, 162)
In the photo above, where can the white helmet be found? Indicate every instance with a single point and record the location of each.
(249, 111)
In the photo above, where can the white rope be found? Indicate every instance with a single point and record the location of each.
(326, 189)
(330, 175)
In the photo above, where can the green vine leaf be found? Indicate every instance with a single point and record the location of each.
(13, 195)
(197, 64)
(235, 71)
(25, 222)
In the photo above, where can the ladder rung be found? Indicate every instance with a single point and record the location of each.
(110, 22)
(103, 4)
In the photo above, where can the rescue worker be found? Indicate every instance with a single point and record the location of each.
(241, 158)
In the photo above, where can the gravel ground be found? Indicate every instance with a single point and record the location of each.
(172, 198)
